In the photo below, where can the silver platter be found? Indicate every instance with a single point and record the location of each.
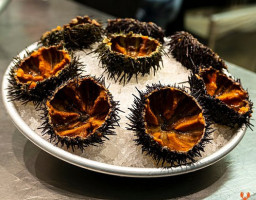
(103, 167)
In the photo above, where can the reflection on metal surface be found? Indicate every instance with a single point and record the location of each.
(3, 5)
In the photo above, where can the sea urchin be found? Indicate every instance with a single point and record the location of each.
(227, 102)
(170, 124)
(80, 33)
(40, 72)
(80, 112)
(192, 54)
(127, 55)
(127, 25)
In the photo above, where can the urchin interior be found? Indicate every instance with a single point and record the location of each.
(174, 119)
(42, 64)
(134, 46)
(226, 90)
(79, 109)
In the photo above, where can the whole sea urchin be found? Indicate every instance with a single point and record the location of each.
(80, 33)
(170, 124)
(227, 102)
(127, 55)
(192, 54)
(133, 25)
(80, 112)
(36, 76)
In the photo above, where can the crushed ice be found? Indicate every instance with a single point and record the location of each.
(121, 149)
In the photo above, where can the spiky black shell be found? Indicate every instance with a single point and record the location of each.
(192, 54)
(18, 91)
(149, 145)
(80, 33)
(123, 67)
(105, 129)
(218, 110)
(133, 25)
(53, 37)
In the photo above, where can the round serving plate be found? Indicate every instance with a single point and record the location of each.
(103, 167)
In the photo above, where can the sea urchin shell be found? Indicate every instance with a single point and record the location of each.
(227, 101)
(80, 33)
(192, 54)
(36, 76)
(170, 124)
(126, 55)
(80, 112)
(52, 37)
(133, 25)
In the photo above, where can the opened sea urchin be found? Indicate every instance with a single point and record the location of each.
(192, 54)
(126, 55)
(80, 33)
(40, 72)
(80, 112)
(133, 25)
(227, 101)
(170, 124)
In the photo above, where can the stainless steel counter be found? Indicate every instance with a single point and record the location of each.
(26, 172)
